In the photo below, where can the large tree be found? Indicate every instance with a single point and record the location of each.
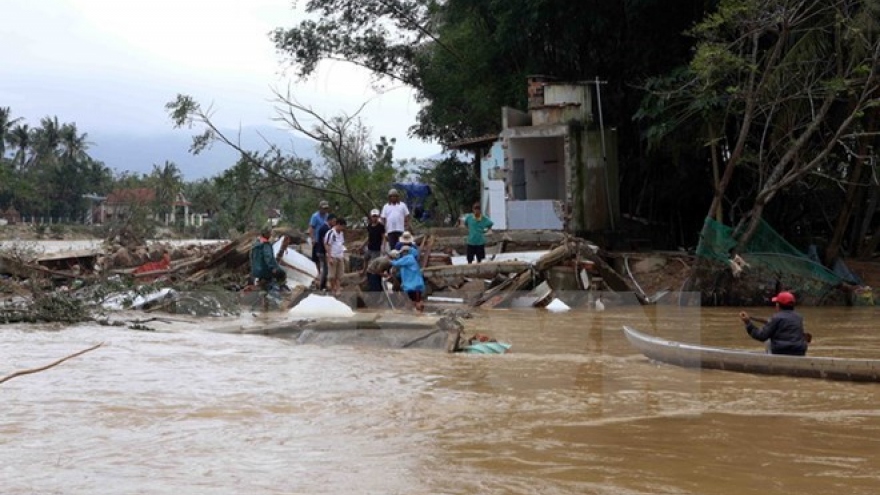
(785, 87)
(468, 58)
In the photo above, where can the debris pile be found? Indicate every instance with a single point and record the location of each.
(528, 268)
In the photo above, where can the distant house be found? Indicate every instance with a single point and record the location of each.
(119, 203)
(11, 216)
(552, 167)
(273, 215)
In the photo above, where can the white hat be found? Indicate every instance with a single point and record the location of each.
(394, 253)
(324, 204)
(406, 237)
(374, 212)
(393, 192)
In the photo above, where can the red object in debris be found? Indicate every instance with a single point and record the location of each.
(154, 266)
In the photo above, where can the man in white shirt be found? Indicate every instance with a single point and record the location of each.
(334, 242)
(395, 216)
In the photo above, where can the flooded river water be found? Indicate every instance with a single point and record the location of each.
(571, 410)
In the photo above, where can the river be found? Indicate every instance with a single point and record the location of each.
(571, 410)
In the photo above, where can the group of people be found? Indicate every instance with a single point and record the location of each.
(388, 227)
(389, 248)
(327, 235)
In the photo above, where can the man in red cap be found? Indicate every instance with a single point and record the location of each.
(785, 330)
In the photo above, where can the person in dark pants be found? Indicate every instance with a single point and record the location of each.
(477, 225)
(318, 219)
(785, 330)
(265, 270)
(395, 217)
(372, 246)
(321, 251)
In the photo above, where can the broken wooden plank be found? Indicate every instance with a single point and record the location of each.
(554, 257)
(518, 283)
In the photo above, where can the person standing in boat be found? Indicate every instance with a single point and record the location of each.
(785, 330)
(477, 225)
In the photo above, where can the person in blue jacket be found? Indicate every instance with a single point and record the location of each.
(411, 280)
(785, 330)
(407, 239)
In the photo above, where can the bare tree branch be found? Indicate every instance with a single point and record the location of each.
(44, 368)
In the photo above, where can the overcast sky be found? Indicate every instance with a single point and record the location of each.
(111, 65)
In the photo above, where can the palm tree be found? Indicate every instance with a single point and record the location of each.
(6, 124)
(167, 181)
(47, 140)
(21, 138)
(73, 144)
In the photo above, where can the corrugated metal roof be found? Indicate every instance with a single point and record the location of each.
(470, 142)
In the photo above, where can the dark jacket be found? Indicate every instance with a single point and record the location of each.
(263, 262)
(785, 330)
(320, 248)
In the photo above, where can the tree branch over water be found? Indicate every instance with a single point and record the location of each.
(44, 368)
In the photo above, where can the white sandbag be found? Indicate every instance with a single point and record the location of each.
(557, 306)
(315, 306)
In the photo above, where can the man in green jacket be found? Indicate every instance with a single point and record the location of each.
(265, 270)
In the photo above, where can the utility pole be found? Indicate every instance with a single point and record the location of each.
(598, 84)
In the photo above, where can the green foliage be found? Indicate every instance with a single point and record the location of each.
(455, 185)
(49, 170)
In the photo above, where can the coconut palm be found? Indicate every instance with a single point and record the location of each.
(168, 182)
(73, 144)
(21, 138)
(6, 125)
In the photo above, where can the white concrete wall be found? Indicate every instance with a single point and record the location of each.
(544, 166)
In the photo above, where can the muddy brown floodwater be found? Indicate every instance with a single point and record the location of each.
(571, 410)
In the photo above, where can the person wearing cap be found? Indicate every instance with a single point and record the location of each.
(320, 251)
(318, 219)
(395, 217)
(477, 225)
(372, 246)
(784, 330)
(265, 270)
(411, 280)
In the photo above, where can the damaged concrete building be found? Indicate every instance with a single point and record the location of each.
(553, 167)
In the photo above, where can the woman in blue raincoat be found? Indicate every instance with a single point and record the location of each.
(411, 280)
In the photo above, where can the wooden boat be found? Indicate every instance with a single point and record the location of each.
(698, 356)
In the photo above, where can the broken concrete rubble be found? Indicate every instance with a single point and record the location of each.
(561, 263)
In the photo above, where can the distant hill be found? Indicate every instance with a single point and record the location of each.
(139, 152)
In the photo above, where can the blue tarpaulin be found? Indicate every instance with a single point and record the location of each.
(415, 195)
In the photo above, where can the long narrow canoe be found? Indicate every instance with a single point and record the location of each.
(698, 356)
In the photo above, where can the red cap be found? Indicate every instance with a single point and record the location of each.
(784, 298)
